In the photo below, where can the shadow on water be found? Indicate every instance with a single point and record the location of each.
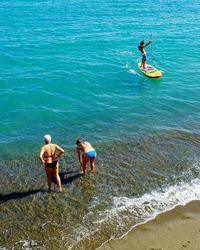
(18, 195)
(67, 178)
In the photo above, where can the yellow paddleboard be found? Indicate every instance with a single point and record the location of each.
(150, 71)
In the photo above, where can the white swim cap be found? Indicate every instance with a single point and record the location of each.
(47, 138)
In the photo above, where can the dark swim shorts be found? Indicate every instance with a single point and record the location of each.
(144, 57)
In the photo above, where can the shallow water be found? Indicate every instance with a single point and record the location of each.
(69, 68)
(133, 182)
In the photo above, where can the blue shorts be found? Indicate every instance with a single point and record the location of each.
(91, 154)
(144, 57)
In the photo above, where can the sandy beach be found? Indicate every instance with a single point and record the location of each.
(173, 230)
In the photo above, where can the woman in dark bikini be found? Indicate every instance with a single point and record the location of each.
(49, 154)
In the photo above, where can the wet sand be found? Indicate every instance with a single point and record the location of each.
(173, 230)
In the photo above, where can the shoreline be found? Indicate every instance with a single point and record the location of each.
(178, 228)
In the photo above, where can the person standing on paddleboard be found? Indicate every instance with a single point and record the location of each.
(144, 54)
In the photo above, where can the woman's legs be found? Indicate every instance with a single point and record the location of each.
(49, 174)
(57, 177)
(92, 160)
(84, 163)
(55, 172)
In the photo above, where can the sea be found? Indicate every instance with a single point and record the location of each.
(69, 69)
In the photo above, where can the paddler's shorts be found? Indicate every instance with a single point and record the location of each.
(144, 57)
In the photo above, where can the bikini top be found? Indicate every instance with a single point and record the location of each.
(49, 156)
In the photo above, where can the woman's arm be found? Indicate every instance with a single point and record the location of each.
(79, 155)
(41, 154)
(61, 151)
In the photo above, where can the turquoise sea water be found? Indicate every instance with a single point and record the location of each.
(69, 68)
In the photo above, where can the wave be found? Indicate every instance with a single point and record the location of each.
(147, 207)
(126, 213)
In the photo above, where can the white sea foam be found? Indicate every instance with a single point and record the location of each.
(151, 204)
(27, 244)
(143, 208)
(148, 206)
(132, 71)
